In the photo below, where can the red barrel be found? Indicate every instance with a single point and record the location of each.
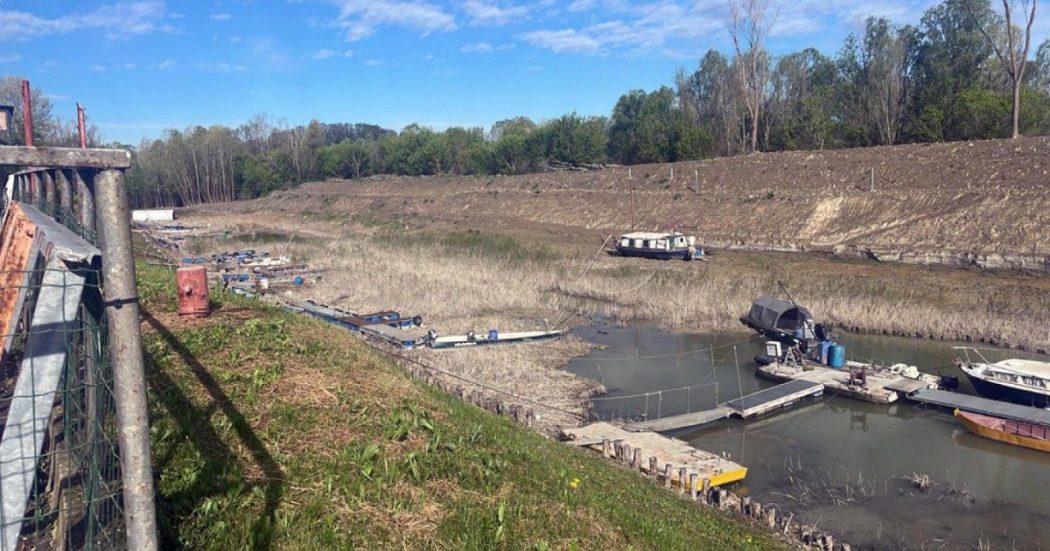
(193, 291)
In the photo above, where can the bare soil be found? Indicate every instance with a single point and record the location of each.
(983, 203)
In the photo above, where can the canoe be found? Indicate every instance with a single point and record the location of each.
(1018, 433)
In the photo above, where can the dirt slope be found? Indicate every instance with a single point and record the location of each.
(972, 203)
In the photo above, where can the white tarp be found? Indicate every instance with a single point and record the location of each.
(153, 215)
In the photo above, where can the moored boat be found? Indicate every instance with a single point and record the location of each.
(783, 321)
(1014, 380)
(1009, 431)
(662, 246)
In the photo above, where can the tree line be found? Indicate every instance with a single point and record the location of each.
(953, 76)
(967, 70)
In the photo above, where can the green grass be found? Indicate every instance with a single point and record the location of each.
(276, 431)
(474, 243)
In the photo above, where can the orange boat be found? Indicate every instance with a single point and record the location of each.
(1018, 433)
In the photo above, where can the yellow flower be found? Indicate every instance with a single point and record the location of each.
(574, 483)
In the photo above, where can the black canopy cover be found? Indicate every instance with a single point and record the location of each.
(774, 313)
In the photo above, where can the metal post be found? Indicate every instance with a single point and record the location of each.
(27, 112)
(81, 127)
(125, 341)
(85, 193)
(49, 193)
(65, 194)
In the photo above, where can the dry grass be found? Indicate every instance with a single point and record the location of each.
(519, 278)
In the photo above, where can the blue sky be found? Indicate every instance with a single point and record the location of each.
(142, 66)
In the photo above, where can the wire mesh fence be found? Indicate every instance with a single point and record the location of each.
(60, 462)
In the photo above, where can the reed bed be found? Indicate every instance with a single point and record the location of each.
(468, 280)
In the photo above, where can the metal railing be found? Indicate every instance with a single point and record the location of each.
(75, 465)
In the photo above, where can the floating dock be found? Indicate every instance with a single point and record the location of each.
(388, 326)
(984, 406)
(754, 404)
(880, 386)
(462, 341)
(650, 450)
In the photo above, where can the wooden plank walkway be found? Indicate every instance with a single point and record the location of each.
(986, 406)
(782, 395)
(756, 403)
(649, 451)
(694, 419)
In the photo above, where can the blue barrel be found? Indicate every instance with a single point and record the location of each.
(800, 333)
(837, 355)
(493, 335)
(824, 347)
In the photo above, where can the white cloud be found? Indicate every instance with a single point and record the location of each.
(10, 58)
(373, 63)
(329, 54)
(563, 41)
(167, 64)
(634, 28)
(485, 12)
(478, 48)
(360, 18)
(220, 17)
(221, 67)
(114, 20)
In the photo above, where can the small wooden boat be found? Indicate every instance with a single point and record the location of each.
(661, 246)
(1018, 433)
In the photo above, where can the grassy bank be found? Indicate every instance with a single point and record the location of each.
(275, 431)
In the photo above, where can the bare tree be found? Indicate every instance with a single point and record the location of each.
(749, 24)
(1014, 61)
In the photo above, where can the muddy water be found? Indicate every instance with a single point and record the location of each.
(843, 464)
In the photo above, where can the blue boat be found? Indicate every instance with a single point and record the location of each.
(661, 246)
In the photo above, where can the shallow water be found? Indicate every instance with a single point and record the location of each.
(841, 463)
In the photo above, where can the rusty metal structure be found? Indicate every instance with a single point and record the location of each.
(75, 463)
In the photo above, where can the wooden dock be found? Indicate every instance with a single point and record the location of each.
(655, 453)
(984, 406)
(880, 386)
(754, 404)
(769, 399)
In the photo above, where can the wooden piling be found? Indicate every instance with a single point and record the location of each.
(668, 472)
(681, 480)
(636, 461)
(607, 448)
(707, 490)
(652, 467)
(771, 518)
(693, 490)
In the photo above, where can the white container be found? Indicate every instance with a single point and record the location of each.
(773, 349)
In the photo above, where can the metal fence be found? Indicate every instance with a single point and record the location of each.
(75, 467)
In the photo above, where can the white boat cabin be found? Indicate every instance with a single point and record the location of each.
(655, 241)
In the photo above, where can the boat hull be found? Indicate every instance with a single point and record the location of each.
(673, 254)
(997, 391)
(972, 423)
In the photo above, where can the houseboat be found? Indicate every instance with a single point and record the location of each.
(1015, 380)
(663, 246)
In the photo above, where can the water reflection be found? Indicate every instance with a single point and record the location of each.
(981, 487)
